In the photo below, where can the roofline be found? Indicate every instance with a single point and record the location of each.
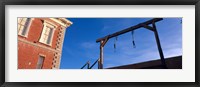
(67, 24)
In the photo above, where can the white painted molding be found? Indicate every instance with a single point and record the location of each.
(68, 23)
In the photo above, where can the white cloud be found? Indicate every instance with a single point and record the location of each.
(173, 52)
(89, 45)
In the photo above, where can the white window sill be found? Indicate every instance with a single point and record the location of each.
(23, 35)
(46, 44)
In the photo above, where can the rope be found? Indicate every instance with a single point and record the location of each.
(132, 33)
(115, 44)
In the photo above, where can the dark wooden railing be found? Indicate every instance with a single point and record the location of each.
(88, 64)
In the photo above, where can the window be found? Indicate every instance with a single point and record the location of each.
(40, 62)
(23, 24)
(47, 34)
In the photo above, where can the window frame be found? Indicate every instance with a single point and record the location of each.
(28, 27)
(37, 65)
(51, 26)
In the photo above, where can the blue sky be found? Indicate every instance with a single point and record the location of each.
(80, 41)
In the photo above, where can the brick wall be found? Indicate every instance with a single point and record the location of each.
(28, 56)
(29, 48)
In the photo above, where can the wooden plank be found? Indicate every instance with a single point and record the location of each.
(159, 47)
(148, 27)
(101, 56)
(129, 29)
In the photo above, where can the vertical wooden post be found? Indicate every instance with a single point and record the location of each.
(99, 64)
(101, 55)
(159, 46)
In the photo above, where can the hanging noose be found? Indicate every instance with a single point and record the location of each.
(115, 44)
(132, 33)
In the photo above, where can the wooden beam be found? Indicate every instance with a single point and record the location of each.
(129, 29)
(159, 47)
(105, 41)
(97, 61)
(101, 55)
(148, 27)
(85, 64)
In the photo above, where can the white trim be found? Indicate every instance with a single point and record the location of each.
(29, 25)
(64, 25)
(61, 47)
(47, 23)
(28, 28)
(50, 24)
(52, 36)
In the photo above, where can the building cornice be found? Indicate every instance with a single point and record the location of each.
(62, 21)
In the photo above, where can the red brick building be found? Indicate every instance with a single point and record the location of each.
(40, 42)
